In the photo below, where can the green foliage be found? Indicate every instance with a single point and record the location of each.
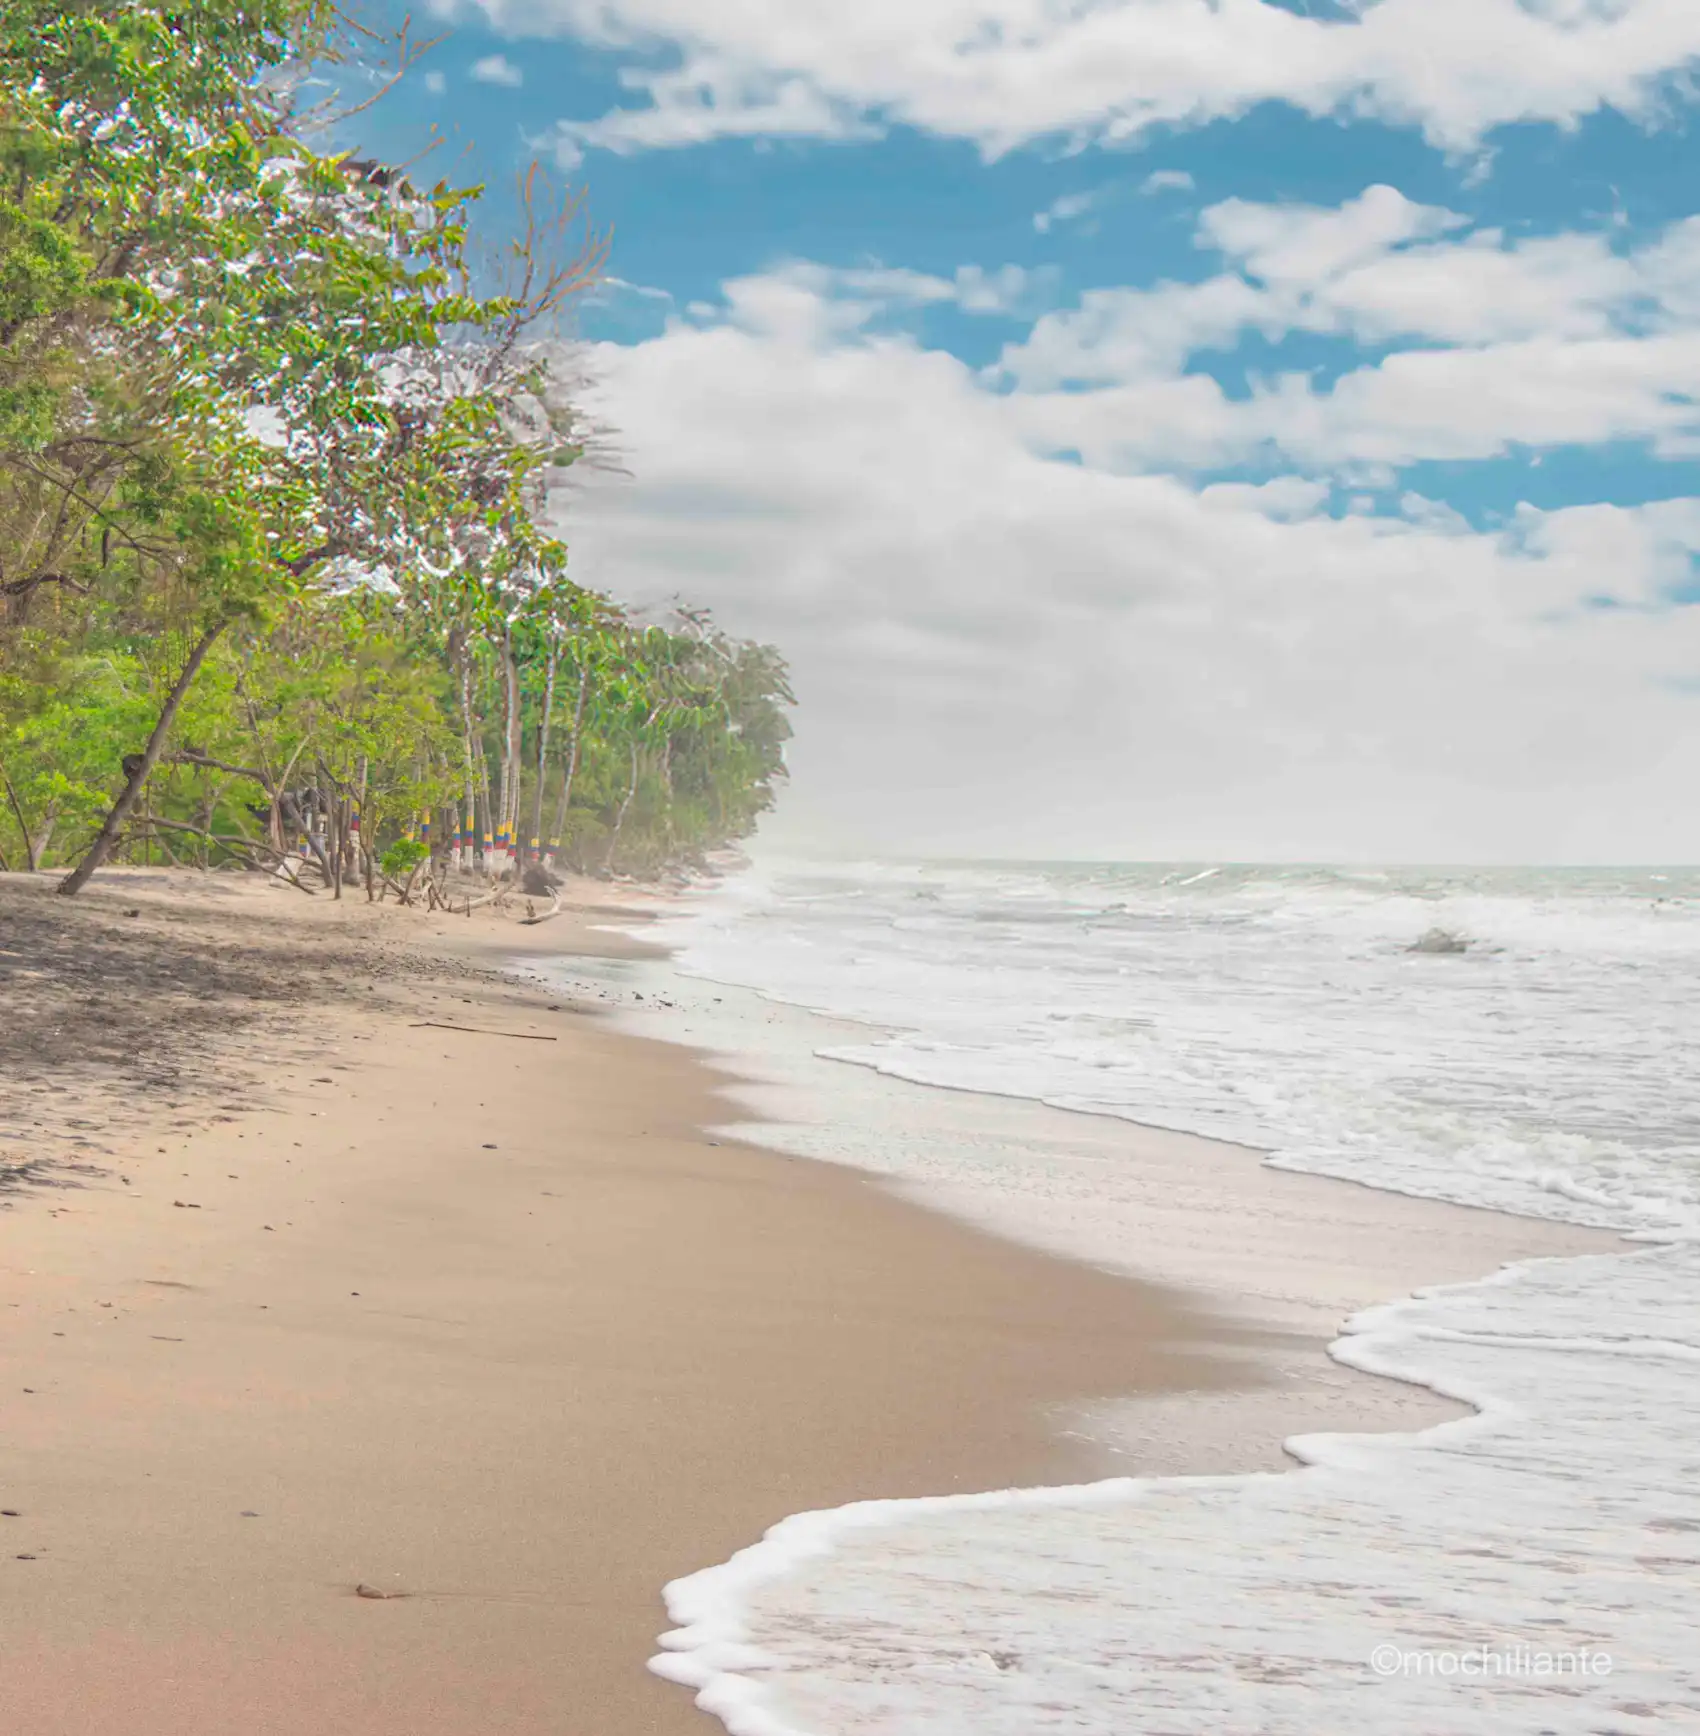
(403, 857)
(275, 546)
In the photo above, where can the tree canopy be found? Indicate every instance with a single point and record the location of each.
(279, 578)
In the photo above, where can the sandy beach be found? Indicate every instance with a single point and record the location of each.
(303, 1289)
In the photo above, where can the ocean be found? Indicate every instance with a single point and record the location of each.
(1525, 1040)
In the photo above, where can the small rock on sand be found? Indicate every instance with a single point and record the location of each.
(1440, 940)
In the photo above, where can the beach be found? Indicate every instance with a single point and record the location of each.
(352, 1253)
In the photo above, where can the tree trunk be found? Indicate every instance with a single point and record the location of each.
(499, 805)
(30, 855)
(667, 785)
(504, 806)
(511, 755)
(49, 824)
(468, 844)
(620, 818)
(317, 835)
(572, 766)
(535, 848)
(113, 825)
(486, 823)
(363, 844)
(330, 805)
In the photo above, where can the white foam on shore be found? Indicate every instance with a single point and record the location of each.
(1552, 1075)
(1233, 1605)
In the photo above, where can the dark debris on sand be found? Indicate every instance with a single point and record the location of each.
(127, 994)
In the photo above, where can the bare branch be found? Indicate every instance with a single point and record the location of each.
(191, 758)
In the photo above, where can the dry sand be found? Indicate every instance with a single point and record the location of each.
(298, 1294)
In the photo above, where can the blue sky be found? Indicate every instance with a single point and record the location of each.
(1308, 388)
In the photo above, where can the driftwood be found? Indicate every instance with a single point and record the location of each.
(252, 848)
(554, 909)
(477, 1031)
(403, 894)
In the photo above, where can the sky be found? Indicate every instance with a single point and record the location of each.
(1152, 429)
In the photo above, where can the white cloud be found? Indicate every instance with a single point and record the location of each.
(1114, 335)
(1284, 497)
(1381, 267)
(436, 83)
(811, 300)
(1167, 181)
(710, 98)
(624, 286)
(1063, 210)
(1533, 342)
(996, 651)
(1307, 244)
(1460, 404)
(1477, 404)
(1008, 290)
(497, 69)
(1671, 272)
(1004, 72)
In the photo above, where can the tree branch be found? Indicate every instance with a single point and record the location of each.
(23, 587)
(189, 757)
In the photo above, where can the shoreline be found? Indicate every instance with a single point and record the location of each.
(1351, 1241)
(862, 1029)
(816, 1598)
(532, 1415)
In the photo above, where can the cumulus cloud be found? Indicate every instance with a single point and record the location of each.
(1308, 244)
(1003, 73)
(1000, 649)
(497, 69)
(1167, 181)
(1382, 267)
(1496, 343)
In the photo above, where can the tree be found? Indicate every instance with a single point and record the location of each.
(296, 379)
(275, 480)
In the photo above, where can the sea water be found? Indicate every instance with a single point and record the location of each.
(1528, 1041)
